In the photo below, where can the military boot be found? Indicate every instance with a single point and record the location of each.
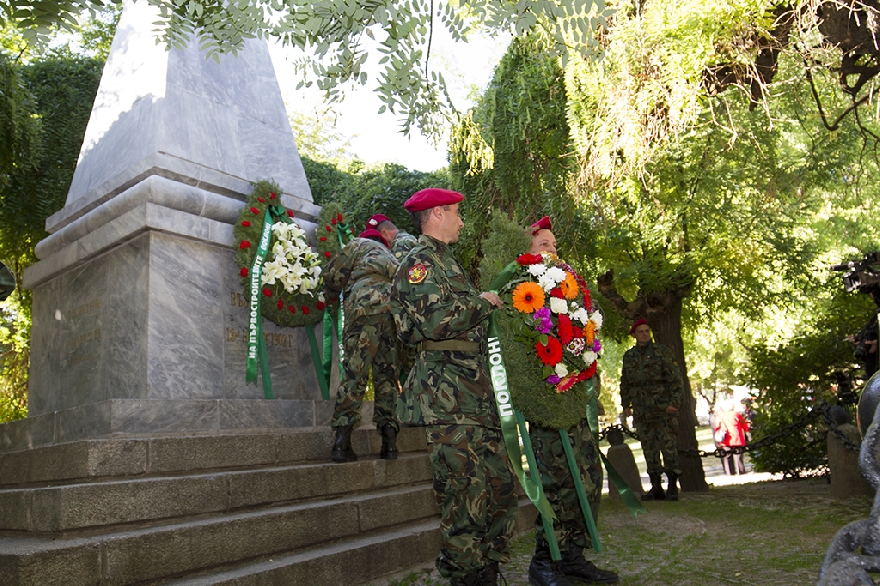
(574, 566)
(342, 451)
(389, 442)
(543, 571)
(672, 486)
(656, 493)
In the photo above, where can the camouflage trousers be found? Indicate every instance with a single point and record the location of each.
(558, 483)
(368, 341)
(475, 490)
(659, 437)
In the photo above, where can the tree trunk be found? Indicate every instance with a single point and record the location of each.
(663, 312)
(666, 326)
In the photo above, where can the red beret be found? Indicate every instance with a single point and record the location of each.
(431, 198)
(374, 234)
(377, 219)
(542, 224)
(639, 322)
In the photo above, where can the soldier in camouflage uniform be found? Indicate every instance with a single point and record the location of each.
(400, 241)
(438, 309)
(570, 528)
(651, 390)
(362, 272)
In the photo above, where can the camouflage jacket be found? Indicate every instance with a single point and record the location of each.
(362, 272)
(650, 381)
(402, 244)
(434, 300)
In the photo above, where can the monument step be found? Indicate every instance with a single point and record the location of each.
(94, 505)
(154, 554)
(130, 457)
(357, 561)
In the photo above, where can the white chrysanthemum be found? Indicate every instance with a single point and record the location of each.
(597, 319)
(561, 370)
(590, 357)
(537, 269)
(551, 278)
(558, 305)
(581, 316)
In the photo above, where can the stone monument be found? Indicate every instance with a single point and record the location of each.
(138, 316)
(621, 457)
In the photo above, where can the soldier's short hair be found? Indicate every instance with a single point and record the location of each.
(420, 217)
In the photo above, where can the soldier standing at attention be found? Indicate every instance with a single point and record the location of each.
(401, 242)
(438, 309)
(651, 390)
(569, 527)
(362, 272)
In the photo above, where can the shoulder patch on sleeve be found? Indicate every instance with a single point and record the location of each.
(417, 273)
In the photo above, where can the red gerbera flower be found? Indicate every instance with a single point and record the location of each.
(557, 293)
(244, 244)
(549, 353)
(564, 329)
(577, 332)
(529, 259)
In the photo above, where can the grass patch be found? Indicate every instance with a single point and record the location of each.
(748, 534)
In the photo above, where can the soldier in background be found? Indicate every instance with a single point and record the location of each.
(438, 309)
(400, 241)
(362, 272)
(651, 390)
(570, 528)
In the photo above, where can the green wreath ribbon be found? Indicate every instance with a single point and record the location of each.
(256, 349)
(510, 421)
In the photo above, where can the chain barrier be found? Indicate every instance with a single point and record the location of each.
(823, 411)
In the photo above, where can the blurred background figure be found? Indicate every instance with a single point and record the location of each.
(730, 432)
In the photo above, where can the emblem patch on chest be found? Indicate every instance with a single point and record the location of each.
(417, 273)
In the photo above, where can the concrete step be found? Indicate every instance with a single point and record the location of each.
(362, 560)
(153, 554)
(161, 456)
(67, 508)
(356, 561)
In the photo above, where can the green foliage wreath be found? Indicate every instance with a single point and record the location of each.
(530, 393)
(296, 298)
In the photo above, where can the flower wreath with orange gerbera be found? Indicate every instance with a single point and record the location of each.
(551, 319)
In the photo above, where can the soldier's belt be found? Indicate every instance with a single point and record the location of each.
(452, 345)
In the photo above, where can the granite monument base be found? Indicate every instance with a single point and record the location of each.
(146, 334)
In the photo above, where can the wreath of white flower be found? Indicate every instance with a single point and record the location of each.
(293, 263)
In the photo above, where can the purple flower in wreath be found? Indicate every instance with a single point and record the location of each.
(597, 346)
(553, 379)
(545, 326)
(542, 313)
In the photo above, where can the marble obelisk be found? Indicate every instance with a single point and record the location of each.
(138, 315)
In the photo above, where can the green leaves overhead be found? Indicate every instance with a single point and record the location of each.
(339, 37)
